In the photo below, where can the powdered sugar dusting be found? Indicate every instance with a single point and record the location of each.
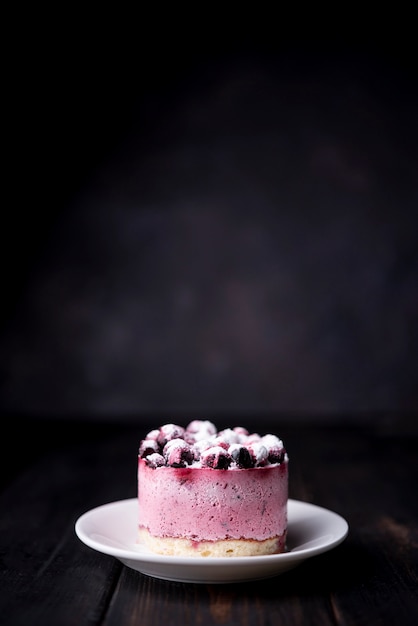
(201, 445)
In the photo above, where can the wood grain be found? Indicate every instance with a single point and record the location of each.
(49, 578)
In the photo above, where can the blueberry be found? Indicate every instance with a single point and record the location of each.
(241, 456)
(153, 434)
(178, 453)
(258, 452)
(155, 460)
(147, 447)
(216, 458)
(276, 455)
(200, 429)
(168, 432)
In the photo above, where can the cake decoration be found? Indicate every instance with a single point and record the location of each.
(200, 441)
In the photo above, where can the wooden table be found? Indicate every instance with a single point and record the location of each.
(60, 469)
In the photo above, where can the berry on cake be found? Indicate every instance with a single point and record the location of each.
(209, 493)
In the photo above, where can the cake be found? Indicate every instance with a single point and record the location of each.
(209, 493)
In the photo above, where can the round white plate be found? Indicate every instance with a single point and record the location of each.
(112, 529)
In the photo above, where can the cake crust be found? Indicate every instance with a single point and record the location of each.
(174, 546)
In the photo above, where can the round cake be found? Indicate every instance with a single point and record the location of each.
(209, 493)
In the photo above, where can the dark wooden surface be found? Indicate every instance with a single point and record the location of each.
(57, 470)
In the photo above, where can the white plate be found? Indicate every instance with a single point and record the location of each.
(112, 529)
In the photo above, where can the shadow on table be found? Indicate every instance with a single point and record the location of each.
(328, 573)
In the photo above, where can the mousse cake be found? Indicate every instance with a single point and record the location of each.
(209, 493)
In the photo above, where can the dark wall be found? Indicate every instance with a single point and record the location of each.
(233, 230)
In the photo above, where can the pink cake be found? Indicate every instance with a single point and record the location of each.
(207, 493)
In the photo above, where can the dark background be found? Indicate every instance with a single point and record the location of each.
(209, 224)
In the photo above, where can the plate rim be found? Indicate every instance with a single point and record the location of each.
(284, 557)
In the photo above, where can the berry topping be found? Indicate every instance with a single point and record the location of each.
(147, 447)
(253, 437)
(168, 432)
(201, 445)
(276, 455)
(155, 460)
(216, 458)
(259, 453)
(153, 434)
(178, 453)
(219, 441)
(229, 435)
(271, 441)
(242, 432)
(201, 429)
(241, 455)
(275, 448)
